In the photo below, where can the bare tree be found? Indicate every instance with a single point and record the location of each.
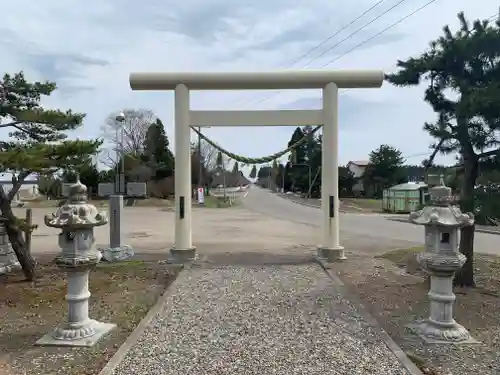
(209, 156)
(134, 130)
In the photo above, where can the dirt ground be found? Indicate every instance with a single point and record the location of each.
(122, 293)
(393, 289)
(28, 311)
(151, 229)
(394, 296)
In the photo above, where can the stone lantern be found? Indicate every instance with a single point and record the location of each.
(8, 259)
(442, 221)
(77, 219)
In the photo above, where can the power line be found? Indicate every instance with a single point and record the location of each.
(380, 33)
(417, 155)
(493, 16)
(355, 32)
(335, 34)
(361, 44)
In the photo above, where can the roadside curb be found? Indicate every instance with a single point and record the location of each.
(348, 294)
(132, 339)
(299, 202)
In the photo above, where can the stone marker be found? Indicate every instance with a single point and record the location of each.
(441, 260)
(77, 219)
(116, 251)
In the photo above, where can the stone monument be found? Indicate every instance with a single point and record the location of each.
(442, 221)
(116, 251)
(77, 219)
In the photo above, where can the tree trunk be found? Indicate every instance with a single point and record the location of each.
(465, 276)
(16, 239)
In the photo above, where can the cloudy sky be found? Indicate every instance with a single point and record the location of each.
(89, 48)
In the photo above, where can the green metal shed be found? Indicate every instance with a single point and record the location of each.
(404, 198)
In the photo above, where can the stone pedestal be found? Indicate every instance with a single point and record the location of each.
(182, 256)
(79, 330)
(77, 219)
(440, 327)
(330, 254)
(117, 250)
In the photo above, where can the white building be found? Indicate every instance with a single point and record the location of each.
(28, 189)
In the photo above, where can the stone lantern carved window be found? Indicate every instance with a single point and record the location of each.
(70, 236)
(445, 237)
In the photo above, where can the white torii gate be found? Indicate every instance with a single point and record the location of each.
(327, 80)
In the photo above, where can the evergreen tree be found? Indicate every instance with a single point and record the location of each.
(38, 144)
(220, 161)
(385, 169)
(466, 64)
(253, 172)
(157, 151)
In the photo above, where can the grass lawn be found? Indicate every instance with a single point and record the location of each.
(363, 204)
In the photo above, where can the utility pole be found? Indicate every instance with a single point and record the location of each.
(283, 170)
(200, 170)
(269, 178)
(121, 176)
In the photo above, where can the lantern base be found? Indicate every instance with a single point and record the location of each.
(433, 333)
(63, 336)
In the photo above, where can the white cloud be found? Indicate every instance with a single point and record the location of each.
(91, 49)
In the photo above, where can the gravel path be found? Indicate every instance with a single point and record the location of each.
(271, 320)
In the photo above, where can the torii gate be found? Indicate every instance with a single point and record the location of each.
(328, 80)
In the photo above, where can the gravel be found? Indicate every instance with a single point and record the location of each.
(270, 320)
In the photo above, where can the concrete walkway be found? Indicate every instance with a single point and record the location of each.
(274, 319)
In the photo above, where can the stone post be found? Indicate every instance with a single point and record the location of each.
(117, 250)
(77, 219)
(441, 260)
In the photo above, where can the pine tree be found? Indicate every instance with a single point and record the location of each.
(157, 151)
(253, 172)
(220, 161)
(38, 144)
(467, 64)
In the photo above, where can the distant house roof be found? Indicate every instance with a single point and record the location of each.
(232, 179)
(359, 163)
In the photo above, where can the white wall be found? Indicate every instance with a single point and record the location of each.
(27, 189)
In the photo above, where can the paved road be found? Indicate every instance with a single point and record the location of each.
(354, 228)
